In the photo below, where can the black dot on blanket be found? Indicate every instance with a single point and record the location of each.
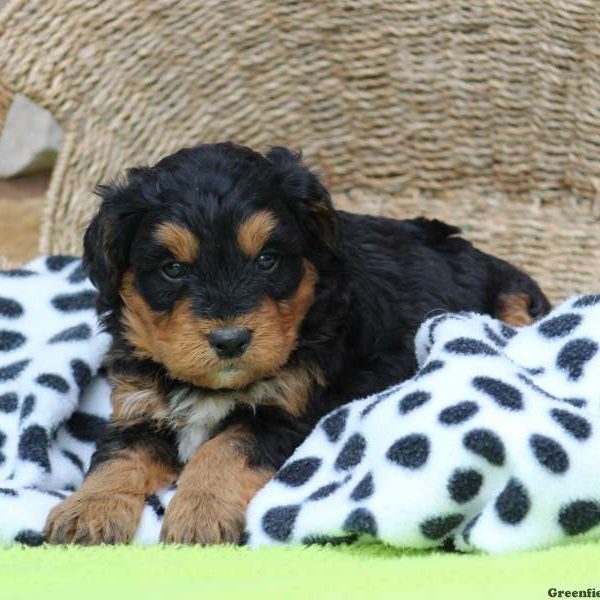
(579, 516)
(505, 395)
(325, 491)
(13, 370)
(469, 347)
(536, 370)
(360, 521)
(379, 398)
(72, 334)
(27, 406)
(586, 301)
(335, 424)
(370, 407)
(412, 401)
(323, 540)
(73, 302)
(437, 528)
(154, 502)
(576, 402)
(85, 427)
(352, 452)
(29, 537)
(507, 331)
(431, 367)
(411, 451)
(575, 425)
(512, 504)
(54, 494)
(82, 374)
(448, 545)
(549, 453)
(466, 532)
(10, 340)
(493, 336)
(278, 522)
(434, 325)
(8, 492)
(464, 485)
(54, 382)
(458, 413)
(59, 262)
(74, 459)
(9, 402)
(560, 326)
(574, 355)
(17, 273)
(487, 444)
(364, 489)
(33, 446)
(2, 439)
(10, 309)
(298, 472)
(78, 274)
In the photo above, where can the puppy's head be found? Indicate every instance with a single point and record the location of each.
(208, 261)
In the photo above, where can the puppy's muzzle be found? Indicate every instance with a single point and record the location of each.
(230, 342)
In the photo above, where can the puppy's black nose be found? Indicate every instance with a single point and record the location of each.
(230, 342)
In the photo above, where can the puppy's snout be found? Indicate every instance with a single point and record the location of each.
(230, 342)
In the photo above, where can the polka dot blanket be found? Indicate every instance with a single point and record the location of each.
(53, 403)
(493, 446)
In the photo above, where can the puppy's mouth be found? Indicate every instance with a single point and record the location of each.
(231, 375)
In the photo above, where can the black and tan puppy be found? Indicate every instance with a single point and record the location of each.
(243, 307)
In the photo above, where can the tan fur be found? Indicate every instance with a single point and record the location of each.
(213, 492)
(178, 340)
(513, 309)
(181, 242)
(254, 232)
(108, 506)
(136, 399)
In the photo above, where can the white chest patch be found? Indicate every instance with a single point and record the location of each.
(201, 415)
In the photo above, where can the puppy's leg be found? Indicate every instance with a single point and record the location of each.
(130, 463)
(214, 490)
(515, 309)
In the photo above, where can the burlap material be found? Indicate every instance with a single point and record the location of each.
(5, 101)
(484, 113)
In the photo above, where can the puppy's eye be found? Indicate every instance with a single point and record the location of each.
(267, 261)
(175, 270)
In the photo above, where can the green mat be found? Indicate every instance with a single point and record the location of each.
(363, 571)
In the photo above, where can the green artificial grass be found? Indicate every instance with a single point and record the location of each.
(362, 571)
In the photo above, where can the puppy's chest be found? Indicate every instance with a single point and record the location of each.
(196, 417)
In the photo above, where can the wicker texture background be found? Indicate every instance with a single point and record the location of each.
(485, 113)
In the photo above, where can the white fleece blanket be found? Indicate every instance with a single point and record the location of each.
(492, 446)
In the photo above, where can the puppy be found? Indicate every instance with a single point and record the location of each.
(243, 307)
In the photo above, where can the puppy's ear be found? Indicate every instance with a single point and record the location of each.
(107, 240)
(307, 197)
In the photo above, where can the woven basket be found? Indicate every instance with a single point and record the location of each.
(484, 113)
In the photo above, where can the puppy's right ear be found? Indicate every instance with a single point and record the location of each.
(107, 242)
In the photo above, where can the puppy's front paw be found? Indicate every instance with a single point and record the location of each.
(88, 519)
(201, 518)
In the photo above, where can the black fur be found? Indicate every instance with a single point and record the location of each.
(158, 442)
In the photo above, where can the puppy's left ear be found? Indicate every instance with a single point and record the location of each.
(307, 197)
